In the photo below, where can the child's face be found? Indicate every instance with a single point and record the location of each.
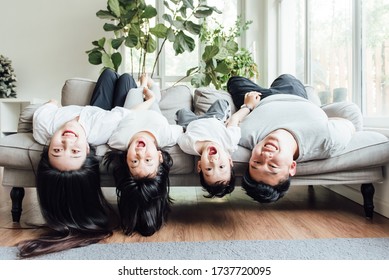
(143, 158)
(68, 147)
(215, 163)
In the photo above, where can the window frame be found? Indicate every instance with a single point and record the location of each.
(358, 85)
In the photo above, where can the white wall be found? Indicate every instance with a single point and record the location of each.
(46, 41)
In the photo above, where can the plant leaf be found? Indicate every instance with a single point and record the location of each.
(94, 57)
(149, 12)
(116, 43)
(199, 80)
(101, 42)
(222, 54)
(105, 15)
(111, 27)
(188, 4)
(190, 71)
(232, 47)
(106, 60)
(204, 11)
(131, 40)
(170, 35)
(160, 30)
(179, 24)
(210, 52)
(192, 27)
(168, 18)
(223, 68)
(116, 60)
(114, 7)
(151, 45)
(183, 43)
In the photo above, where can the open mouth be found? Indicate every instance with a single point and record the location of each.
(212, 151)
(270, 147)
(69, 133)
(141, 144)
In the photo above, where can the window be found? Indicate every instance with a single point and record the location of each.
(172, 68)
(341, 48)
(375, 57)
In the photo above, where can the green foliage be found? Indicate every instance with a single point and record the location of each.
(222, 58)
(7, 78)
(130, 22)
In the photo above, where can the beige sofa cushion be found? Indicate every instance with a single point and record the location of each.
(205, 96)
(77, 91)
(346, 110)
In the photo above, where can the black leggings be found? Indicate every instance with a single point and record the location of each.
(286, 84)
(111, 89)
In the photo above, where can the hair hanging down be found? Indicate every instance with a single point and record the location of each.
(143, 203)
(262, 192)
(219, 189)
(73, 206)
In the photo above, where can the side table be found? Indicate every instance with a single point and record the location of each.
(10, 109)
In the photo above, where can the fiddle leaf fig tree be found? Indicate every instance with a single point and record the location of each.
(134, 24)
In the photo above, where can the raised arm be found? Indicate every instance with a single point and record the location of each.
(251, 100)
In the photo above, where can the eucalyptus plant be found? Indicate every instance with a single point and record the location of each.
(135, 25)
(222, 57)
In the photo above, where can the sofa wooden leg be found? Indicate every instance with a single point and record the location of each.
(368, 203)
(17, 195)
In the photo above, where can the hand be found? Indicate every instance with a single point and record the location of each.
(252, 98)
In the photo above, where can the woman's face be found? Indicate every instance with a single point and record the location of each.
(68, 147)
(143, 158)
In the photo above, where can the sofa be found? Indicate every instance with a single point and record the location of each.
(362, 162)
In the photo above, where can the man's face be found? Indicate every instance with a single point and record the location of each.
(215, 163)
(68, 147)
(271, 159)
(143, 158)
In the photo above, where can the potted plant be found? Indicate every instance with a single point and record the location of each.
(132, 24)
(7, 78)
(222, 58)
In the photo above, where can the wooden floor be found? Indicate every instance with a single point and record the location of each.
(304, 213)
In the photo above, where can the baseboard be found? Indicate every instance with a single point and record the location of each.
(353, 192)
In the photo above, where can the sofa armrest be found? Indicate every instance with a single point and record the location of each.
(346, 110)
(77, 91)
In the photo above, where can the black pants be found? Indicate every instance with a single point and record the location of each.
(286, 84)
(111, 89)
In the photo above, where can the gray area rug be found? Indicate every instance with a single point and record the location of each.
(310, 249)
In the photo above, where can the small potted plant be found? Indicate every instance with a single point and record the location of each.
(7, 78)
(222, 57)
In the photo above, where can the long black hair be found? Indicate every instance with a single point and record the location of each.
(73, 207)
(144, 203)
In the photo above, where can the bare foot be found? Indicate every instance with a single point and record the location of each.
(148, 94)
(143, 80)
